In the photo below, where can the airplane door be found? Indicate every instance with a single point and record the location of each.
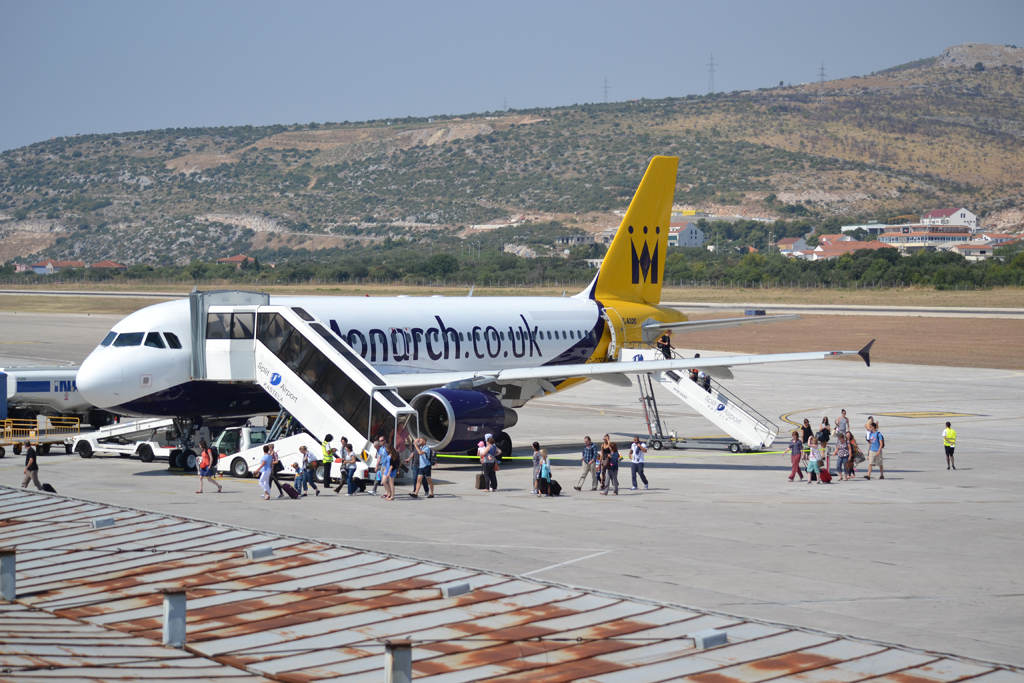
(617, 330)
(231, 343)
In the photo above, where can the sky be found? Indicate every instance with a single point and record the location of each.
(105, 66)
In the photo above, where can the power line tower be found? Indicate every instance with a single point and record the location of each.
(821, 80)
(504, 104)
(605, 87)
(711, 74)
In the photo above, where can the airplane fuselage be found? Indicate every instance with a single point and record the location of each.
(141, 375)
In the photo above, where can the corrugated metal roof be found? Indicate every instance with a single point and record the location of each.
(90, 599)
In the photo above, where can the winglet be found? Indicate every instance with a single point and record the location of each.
(865, 353)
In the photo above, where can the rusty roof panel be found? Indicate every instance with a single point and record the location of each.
(864, 667)
(89, 602)
(939, 671)
(60, 652)
(1000, 676)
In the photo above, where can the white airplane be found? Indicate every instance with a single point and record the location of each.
(452, 358)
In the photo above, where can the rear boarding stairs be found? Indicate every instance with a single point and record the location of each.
(751, 430)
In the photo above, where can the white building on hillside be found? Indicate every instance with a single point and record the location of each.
(685, 235)
(959, 216)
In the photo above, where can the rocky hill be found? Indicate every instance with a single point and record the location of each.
(937, 132)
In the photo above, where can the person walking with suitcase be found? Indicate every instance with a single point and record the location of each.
(544, 478)
(589, 465)
(206, 466)
(536, 468)
(610, 467)
(490, 461)
(31, 470)
(637, 451)
(949, 443)
(350, 469)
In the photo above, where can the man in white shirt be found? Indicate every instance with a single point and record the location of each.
(637, 450)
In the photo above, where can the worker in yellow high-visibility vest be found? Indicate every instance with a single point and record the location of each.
(949, 441)
(328, 458)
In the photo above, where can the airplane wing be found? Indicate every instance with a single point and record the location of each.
(612, 372)
(717, 324)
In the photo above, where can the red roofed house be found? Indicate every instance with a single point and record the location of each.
(835, 239)
(109, 264)
(49, 266)
(959, 216)
(823, 252)
(236, 261)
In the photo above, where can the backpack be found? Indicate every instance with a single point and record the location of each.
(431, 456)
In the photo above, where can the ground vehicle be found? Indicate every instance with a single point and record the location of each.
(52, 391)
(237, 439)
(148, 439)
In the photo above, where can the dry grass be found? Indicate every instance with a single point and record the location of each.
(911, 340)
(73, 304)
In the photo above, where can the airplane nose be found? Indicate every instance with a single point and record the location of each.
(101, 382)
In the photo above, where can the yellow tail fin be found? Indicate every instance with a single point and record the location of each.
(634, 265)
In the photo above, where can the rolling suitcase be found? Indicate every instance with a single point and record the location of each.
(826, 476)
(556, 488)
(49, 489)
(481, 481)
(290, 490)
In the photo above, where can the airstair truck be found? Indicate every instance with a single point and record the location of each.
(314, 376)
(751, 430)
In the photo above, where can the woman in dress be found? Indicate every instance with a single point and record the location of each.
(806, 431)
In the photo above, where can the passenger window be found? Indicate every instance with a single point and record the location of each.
(502, 336)
(242, 325)
(108, 340)
(549, 334)
(274, 332)
(218, 326)
(314, 368)
(129, 339)
(294, 352)
(153, 339)
(461, 338)
(172, 340)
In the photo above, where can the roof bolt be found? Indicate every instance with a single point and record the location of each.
(454, 589)
(100, 523)
(702, 640)
(257, 553)
(8, 578)
(397, 661)
(174, 617)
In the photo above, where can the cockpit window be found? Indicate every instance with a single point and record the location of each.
(172, 340)
(129, 339)
(153, 339)
(109, 338)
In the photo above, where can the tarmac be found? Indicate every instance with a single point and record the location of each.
(928, 558)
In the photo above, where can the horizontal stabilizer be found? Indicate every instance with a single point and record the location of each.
(717, 324)
(865, 353)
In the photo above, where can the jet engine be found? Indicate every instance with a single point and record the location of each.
(455, 420)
